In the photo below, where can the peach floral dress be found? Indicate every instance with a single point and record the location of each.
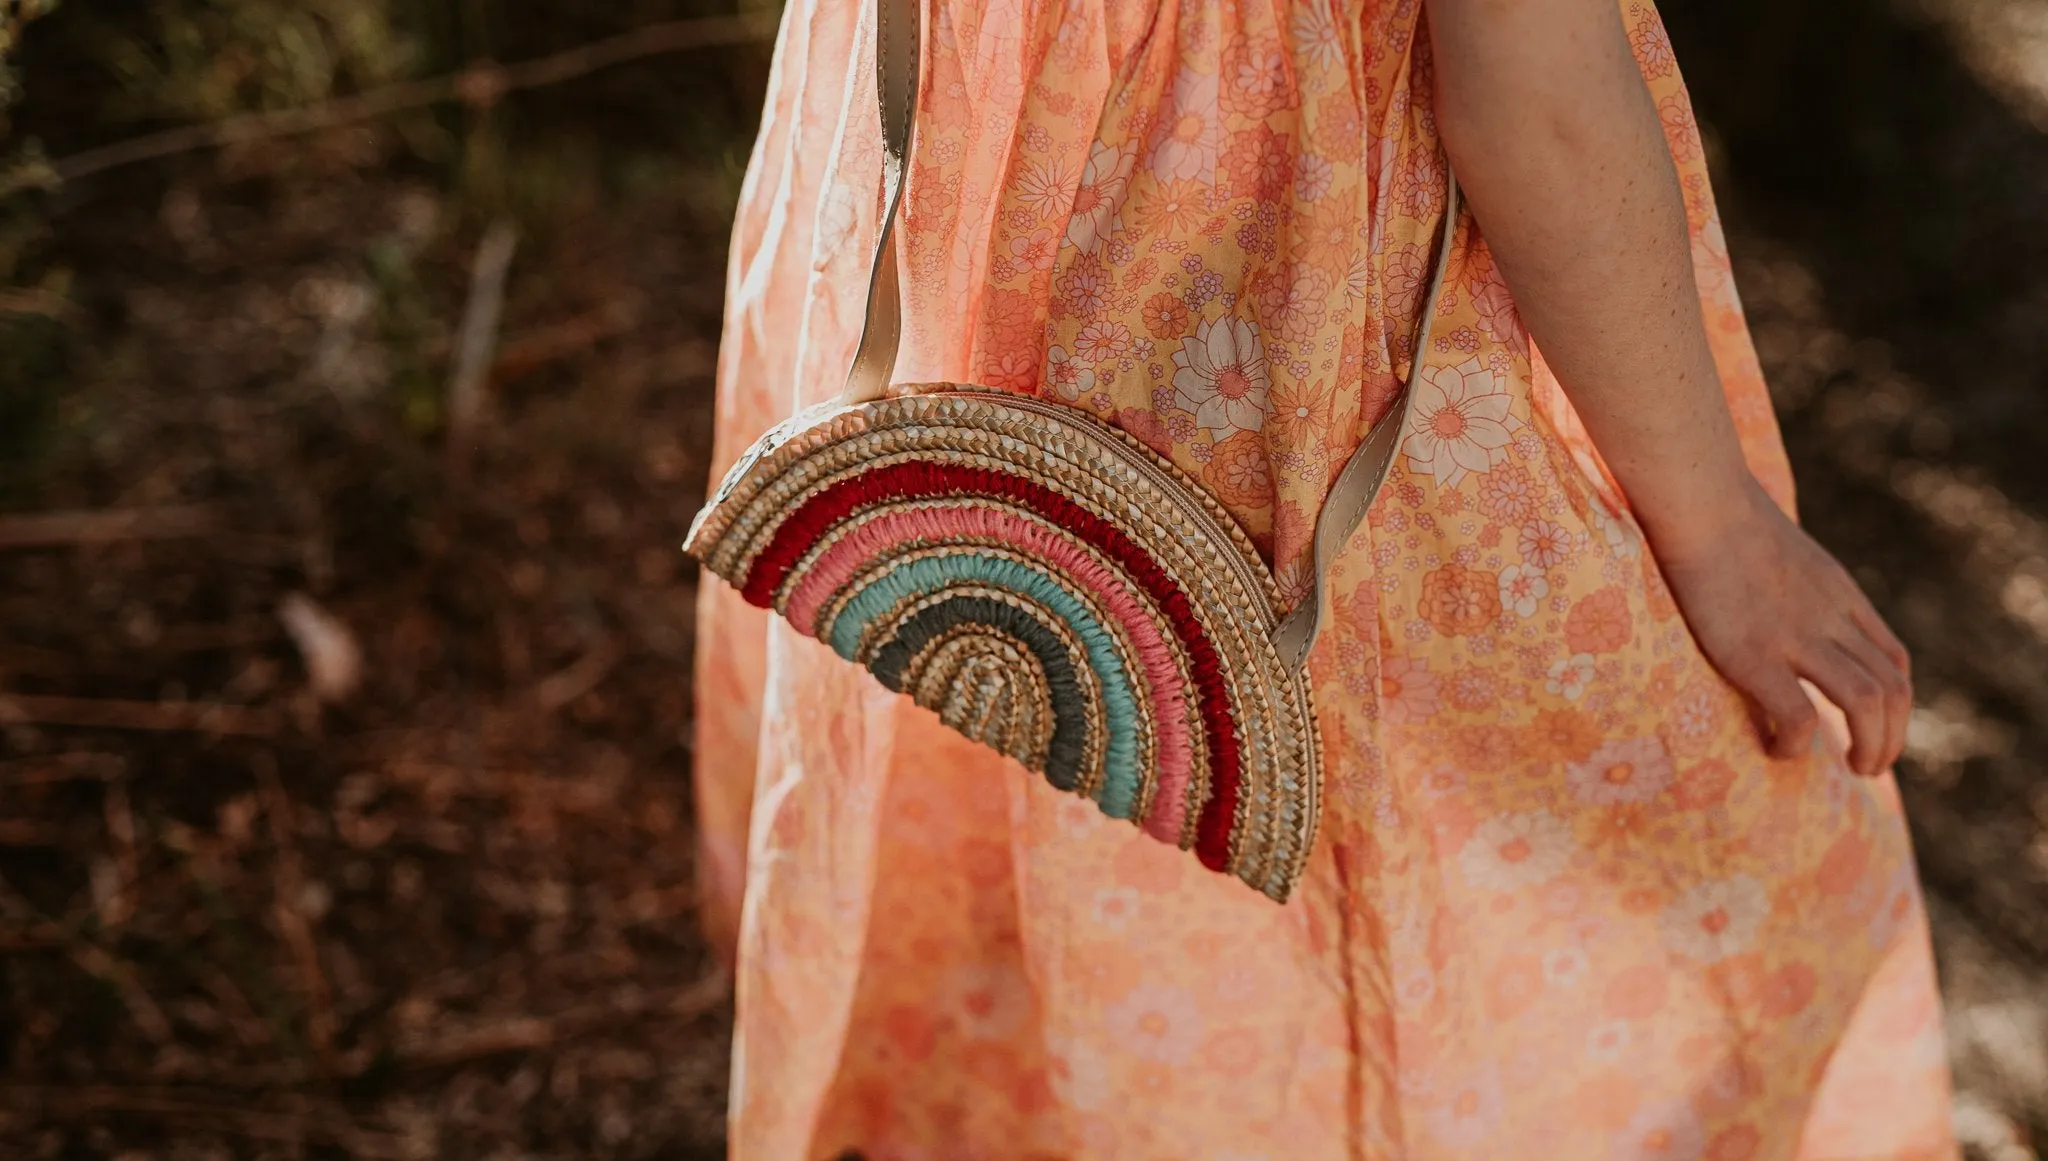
(1562, 905)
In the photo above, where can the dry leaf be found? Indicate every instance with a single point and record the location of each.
(334, 662)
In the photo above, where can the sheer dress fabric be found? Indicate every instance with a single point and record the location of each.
(1562, 906)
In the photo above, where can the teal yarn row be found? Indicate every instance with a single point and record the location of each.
(1119, 795)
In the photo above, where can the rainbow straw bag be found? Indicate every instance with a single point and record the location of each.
(1045, 583)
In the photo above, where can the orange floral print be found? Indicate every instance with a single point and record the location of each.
(1169, 210)
(1457, 600)
(1704, 785)
(1302, 414)
(1258, 163)
(1565, 735)
(1599, 622)
(1561, 904)
(1237, 470)
(1165, 316)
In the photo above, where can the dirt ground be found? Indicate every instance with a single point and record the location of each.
(446, 910)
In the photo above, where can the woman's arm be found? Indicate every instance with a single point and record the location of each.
(1562, 155)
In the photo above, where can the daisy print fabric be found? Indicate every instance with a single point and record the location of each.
(1562, 904)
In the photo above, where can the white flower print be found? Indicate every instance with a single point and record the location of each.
(1408, 691)
(1221, 377)
(1358, 278)
(1442, 781)
(1621, 539)
(1237, 981)
(1082, 1081)
(1073, 816)
(1563, 900)
(1716, 919)
(1622, 772)
(1693, 716)
(1042, 187)
(1156, 1022)
(1034, 250)
(988, 1001)
(1564, 967)
(1261, 75)
(1472, 1111)
(1522, 589)
(1544, 544)
(838, 214)
(1189, 138)
(1516, 850)
(1460, 422)
(1662, 1132)
(1104, 182)
(1069, 376)
(1315, 36)
(1312, 180)
(1113, 907)
(1569, 677)
(1416, 985)
(1293, 579)
(1608, 1041)
(1103, 340)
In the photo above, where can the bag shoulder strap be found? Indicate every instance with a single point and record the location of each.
(898, 37)
(1366, 471)
(897, 47)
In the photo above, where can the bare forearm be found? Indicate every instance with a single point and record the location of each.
(1561, 153)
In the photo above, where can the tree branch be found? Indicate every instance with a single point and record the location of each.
(481, 83)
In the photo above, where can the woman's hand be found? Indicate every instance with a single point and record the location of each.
(1768, 607)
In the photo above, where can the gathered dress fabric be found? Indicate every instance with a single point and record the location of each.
(1562, 904)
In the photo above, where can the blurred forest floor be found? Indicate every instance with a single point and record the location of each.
(344, 785)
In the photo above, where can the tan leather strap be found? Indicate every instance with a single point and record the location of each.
(897, 36)
(1364, 473)
(897, 45)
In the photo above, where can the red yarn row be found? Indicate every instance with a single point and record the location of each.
(914, 479)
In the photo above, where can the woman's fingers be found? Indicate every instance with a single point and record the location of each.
(1897, 692)
(1792, 716)
(1847, 682)
(1867, 619)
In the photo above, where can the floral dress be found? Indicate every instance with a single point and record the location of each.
(1562, 904)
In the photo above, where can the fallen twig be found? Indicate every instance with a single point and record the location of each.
(288, 888)
(193, 1111)
(543, 346)
(527, 1033)
(478, 338)
(39, 937)
(114, 890)
(40, 302)
(35, 659)
(20, 832)
(108, 713)
(93, 959)
(52, 529)
(55, 769)
(479, 84)
(581, 676)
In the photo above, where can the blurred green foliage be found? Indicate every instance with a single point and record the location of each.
(92, 74)
(197, 60)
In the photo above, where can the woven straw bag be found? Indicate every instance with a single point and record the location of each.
(1045, 583)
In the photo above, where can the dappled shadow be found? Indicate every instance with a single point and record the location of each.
(1888, 212)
